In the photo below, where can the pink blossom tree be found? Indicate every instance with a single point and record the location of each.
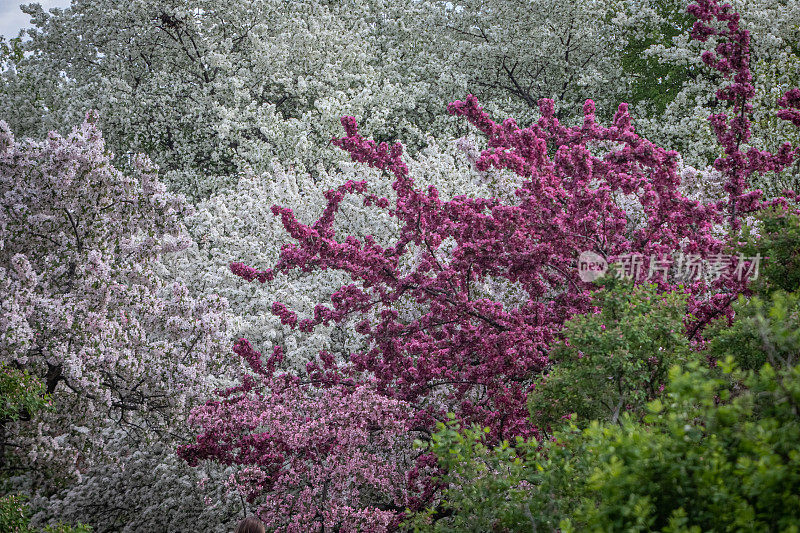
(435, 339)
(84, 307)
(332, 450)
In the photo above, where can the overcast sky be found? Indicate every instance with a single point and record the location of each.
(12, 19)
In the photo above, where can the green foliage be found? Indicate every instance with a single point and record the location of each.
(527, 486)
(765, 331)
(767, 326)
(15, 518)
(21, 394)
(721, 452)
(616, 360)
(777, 241)
(13, 514)
(651, 80)
(704, 460)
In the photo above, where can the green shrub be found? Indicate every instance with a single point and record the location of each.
(616, 360)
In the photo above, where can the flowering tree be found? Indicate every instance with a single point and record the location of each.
(125, 490)
(210, 89)
(433, 336)
(332, 453)
(84, 309)
(238, 224)
(514, 54)
(775, 68)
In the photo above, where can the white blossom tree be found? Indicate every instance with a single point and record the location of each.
(514, 53)
(209, 89)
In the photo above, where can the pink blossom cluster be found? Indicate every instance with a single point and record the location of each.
(81, 305)
(331, 452)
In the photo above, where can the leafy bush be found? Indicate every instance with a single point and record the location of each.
(712, 457)
(721, 452)
(767, 328)
(524, 486)
(22, 394)
(615, 360)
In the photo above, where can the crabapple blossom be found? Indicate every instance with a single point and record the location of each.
(332, 452)
(84, 309)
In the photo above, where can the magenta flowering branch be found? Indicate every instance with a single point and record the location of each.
(731, 58)
(790, 102)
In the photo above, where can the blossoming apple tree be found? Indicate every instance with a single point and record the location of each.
(84, 307)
